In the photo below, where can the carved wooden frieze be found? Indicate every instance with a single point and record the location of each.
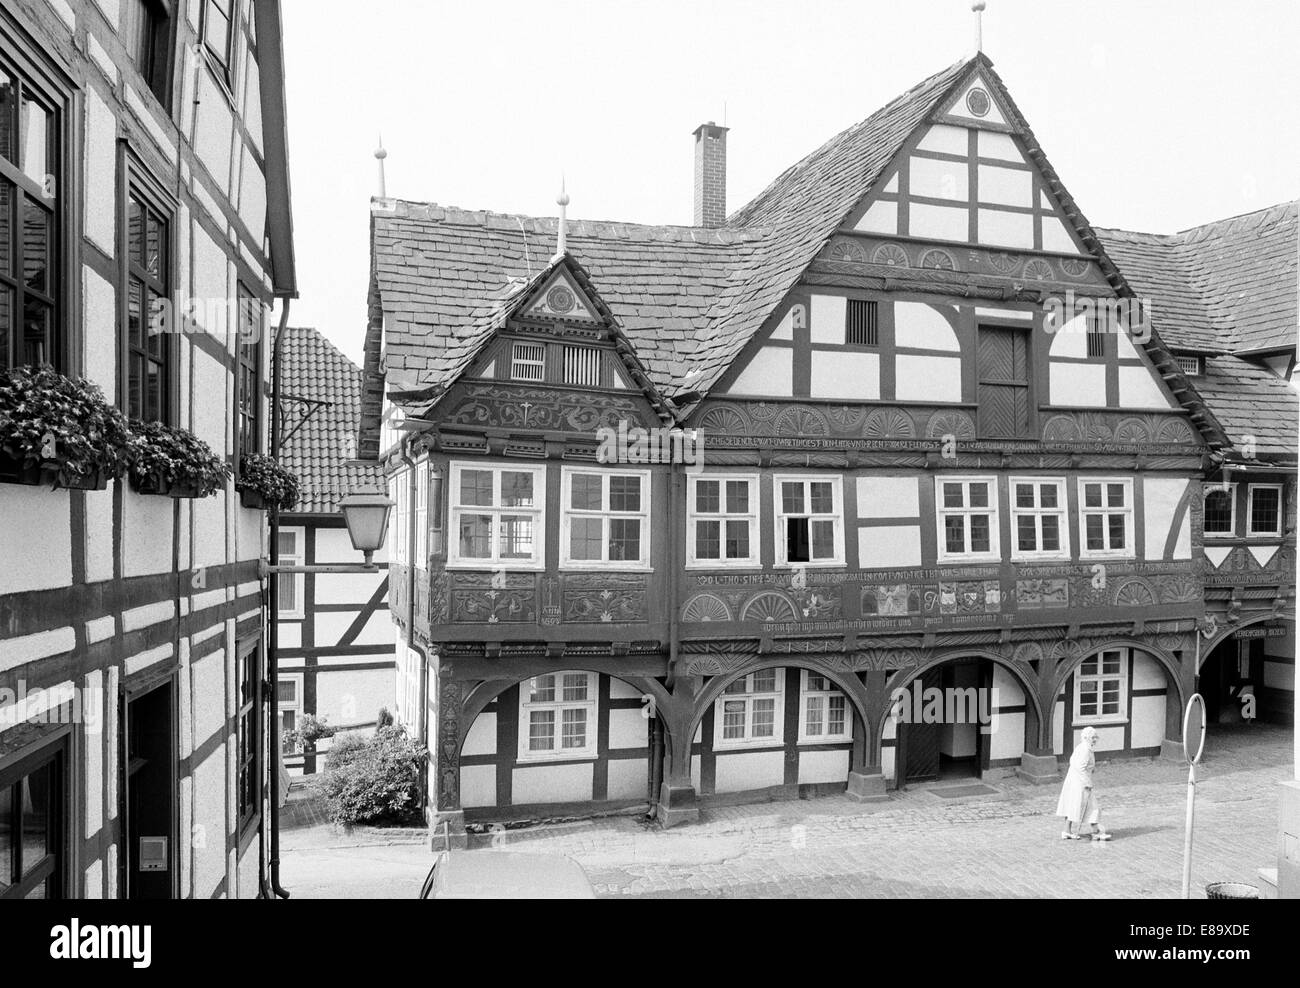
(553, 410)
(901, 260)
(493, 598)
(605, 598)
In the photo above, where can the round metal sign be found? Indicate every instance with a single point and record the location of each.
(1194, 729)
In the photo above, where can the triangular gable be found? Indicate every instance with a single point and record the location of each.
(976, 103)
(560, 299)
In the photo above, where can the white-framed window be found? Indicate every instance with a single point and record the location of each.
(809, 516)
(557, 717)
(399, 532)
(1220, 516)
(605, 520)
(582, 365)
(289, 694)
(497, 516)
(1106, 518)
(824, 713)
(721, 520)
(1101, 687)
(967, 509)
(750, 713)
(291, 605)
(1039, 526)
(421, 515)
(1264, 509)
(528, 362)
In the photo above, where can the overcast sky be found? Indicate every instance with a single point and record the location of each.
(1157, 114)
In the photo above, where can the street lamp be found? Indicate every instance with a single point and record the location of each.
(366, 516)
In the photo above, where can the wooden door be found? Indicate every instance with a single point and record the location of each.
(1004, 404)
(918, 755)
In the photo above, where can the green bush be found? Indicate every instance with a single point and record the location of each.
(373, 779)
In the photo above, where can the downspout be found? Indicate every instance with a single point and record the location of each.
(422, 724)
(273, 594)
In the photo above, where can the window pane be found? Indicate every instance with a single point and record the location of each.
(37, 318)
(737, 687)
(476, 488)
(836, 710)
(624, 493)
(34, 794)
(954, 534)
(707, 500)
(1051, 533)
(541, 730)
(1024, 495)
(1092, 495)
(575, 687)
(1116, 526)
(475, 532)
(1115, 495)
(516, 489)
(796, 540)
(516, 537)
(155, 245)
(1026, 534)
(1265, 503)
(818, 683)
(625, 539)
(823, 502)
(574, 728)
(979, 533)
(952, 496)
(792, 499)
(585, 492)
(542, 690)
(823, 540)
(8, 115)
(36, 247)
(6, 837)
(585, 538)
(708, 540)
(979, 495)
(1048, 494)
(34, 131)
(813, 716)
(1218, 512)
(733, 719)
(765, 681)
(1110, 663)
(1092, 526)
(764, 718)
(738, 497)
(8, 196)
(737, 540)
(1089, 666)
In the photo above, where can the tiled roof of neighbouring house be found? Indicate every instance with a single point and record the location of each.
(688, 298)
(320, 451)
(1225, 287)
(1251, 401)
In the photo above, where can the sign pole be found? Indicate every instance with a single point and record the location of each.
(1193, 734)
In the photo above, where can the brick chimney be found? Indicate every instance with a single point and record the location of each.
(710, 175)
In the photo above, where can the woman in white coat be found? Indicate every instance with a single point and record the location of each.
(1077, 803)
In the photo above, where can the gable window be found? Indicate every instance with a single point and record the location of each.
(290, 600)
(147, 34)
(748, 714)
(496, 515)
(968, 519)
(1038, 518)
(1189, 365)
(606, 519)
(248, 382)
(218, 36)
(861, 325)
(31, 210)
(1220, 510)
(823, 711)
(1101, 687)
(147, 324)
(721, 521)
(809, 521)
(582, 366)
(1098, 324)
(528, 362)
(1106, 518)
(33, 801)
(557, 717)
(1264, 512)
(249, 782)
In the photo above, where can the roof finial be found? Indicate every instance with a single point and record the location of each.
(380, 155)
(978, 7)
(562, 238)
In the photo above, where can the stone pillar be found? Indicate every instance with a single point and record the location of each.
(867, 784)
(1039, 767)
(1172, 746)
(447, 821)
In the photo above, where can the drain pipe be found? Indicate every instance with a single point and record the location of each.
(273, 629)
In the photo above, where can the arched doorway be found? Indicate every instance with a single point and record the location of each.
(1245, 673)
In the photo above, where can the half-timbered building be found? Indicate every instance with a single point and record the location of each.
(144, 231)
(336, 639)
(690, 514)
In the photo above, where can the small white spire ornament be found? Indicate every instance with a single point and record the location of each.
(562, 236)
(978, 8)
(380, 155)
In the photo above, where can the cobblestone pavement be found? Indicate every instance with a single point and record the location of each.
(914, 845)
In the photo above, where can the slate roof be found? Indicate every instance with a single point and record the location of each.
(1249, 400)
(1225, 287)
(322, 453)
(688, 298)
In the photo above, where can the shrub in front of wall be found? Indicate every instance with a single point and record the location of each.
(373, 780)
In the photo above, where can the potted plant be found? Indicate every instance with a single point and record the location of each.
(60, 430)
(173, 462)
(263, 483)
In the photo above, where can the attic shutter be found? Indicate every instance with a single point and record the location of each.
(1004, 411)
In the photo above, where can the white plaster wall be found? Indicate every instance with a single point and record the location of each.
(482, 736)
(99, 325)
(146, 534)
(100, 174)
(823, 766)
(1058, 727)
(626, 778)
(1108, 738)
(551, 783)
(1008, 739)
(1147, 714)
(35, 539)
(208, 677)
(628, 729)
(1160, 496)
(1279, 676)
(923, 378)
(347, 588)
(845, 374)
(92, 740)
(923, 327)
(1006, 186)
(619, 690)
(214, 130)
(826, 318)
(210, 823)
(770, 372)
(1138, 389)
(945, 138)
(478, 786)
(252, 197)
(888, 497)
(938, 222)
(749, 770)
(936, 179)
(350, 697)
(991, 144)
(880, 217)
(1071, 339)
(99, 535)
(889, 546)
(1002, 229)
(1009, 691)
(1056, 237)
(211, 405)
(1148, 674)
(887, 763)
(1082, 385)
(334, 546)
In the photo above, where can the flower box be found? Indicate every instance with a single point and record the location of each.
(14, 471)
(172, 462)
(250, 498)
(157, 484)
(263, 483)
(95, 480)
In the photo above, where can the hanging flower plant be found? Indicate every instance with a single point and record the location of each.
(174, 462)
(263, 483)
(60, 429)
